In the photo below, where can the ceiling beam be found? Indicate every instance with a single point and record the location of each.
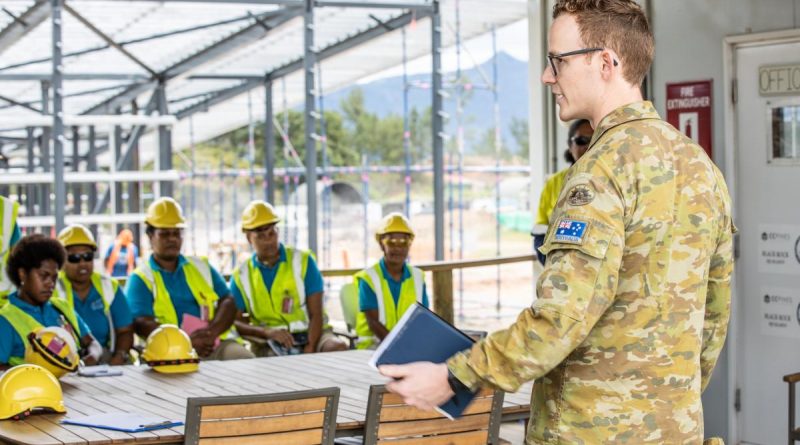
(24, 24)
(245, 36)
(296, 65)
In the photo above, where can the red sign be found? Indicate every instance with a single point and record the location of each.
(689, 110)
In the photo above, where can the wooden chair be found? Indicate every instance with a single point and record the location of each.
(794, 431)
(390, 421)
(291, 418)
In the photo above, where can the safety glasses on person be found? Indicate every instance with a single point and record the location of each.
(76, 258)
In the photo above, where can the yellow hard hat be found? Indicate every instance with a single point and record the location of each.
(54, 349)
(165, 213)
(258, 213)
(169, 350)
(28, 386)
(394, 223)
(76, 235)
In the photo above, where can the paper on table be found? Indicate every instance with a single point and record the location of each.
(128, 422)
(190, 323)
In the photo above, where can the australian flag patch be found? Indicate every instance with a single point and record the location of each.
(570, 231)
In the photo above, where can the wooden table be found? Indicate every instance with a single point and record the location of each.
(144, 391)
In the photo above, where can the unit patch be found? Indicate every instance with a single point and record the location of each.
(570, 231)
(580, 195)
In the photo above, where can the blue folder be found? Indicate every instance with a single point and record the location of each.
(423, 336)
(127, 422)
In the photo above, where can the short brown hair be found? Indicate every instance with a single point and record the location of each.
(615, 24)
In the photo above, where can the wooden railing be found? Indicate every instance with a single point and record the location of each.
(443, 278)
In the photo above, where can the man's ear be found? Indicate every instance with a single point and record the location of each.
(610, 62)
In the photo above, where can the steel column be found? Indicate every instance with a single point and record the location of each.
(269, 145)
(76, 161)
(119, 204)
(309, 61)
(91, 165)
(437, 118)
(30, 193)
(58, 115)
(44, 151)
(164, 139)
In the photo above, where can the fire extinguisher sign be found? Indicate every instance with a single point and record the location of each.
(689, 110)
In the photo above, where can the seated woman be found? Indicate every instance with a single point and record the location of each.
(96, 298)
(33, 268)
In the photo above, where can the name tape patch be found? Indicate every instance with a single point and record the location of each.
(570, 231)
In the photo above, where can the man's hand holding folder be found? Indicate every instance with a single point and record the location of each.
(414, 354)
(421, 384)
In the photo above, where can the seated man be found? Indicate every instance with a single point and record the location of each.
(97, 298)
(33, 268)
(169, 288)
(387, 289)
(282, 291)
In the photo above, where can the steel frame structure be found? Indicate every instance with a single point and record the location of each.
(156, 82)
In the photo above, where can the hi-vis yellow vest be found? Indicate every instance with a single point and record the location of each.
(388, 312)
(106, 287)
(266, 306)
(24, 324)
(198, 277)
(8, 218)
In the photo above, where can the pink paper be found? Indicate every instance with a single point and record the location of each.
(190, 323)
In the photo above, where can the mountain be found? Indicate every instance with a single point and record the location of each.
(385, 96)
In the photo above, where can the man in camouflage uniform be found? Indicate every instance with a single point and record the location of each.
(633, 303)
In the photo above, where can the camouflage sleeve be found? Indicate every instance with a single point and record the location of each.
(584, 248)
(718, 303)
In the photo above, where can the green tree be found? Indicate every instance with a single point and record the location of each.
(519, 131)
(381, 139)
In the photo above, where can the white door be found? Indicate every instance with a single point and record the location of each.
(767, 119)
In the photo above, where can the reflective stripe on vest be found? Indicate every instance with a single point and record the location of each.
(106, 287)
(24, 324)
(8, 218)
(289, 278)
(388, 312)
(198, 277)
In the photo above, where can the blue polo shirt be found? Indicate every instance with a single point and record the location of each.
(367, 300)
(121, 266)
(92, 311)
(11, 344)
(140, 299)
(312, 281)
(15, 236)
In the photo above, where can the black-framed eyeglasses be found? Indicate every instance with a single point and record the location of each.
(560, 56)
(76, 258)
(580, 140)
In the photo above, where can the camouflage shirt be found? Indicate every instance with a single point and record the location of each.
(634, 300)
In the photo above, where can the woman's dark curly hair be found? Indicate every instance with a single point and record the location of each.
(30, 252)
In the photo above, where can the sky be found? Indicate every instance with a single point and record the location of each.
(512, 39)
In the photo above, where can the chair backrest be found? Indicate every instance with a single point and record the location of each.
(348, 297)
(389, 420)
(299, 417)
